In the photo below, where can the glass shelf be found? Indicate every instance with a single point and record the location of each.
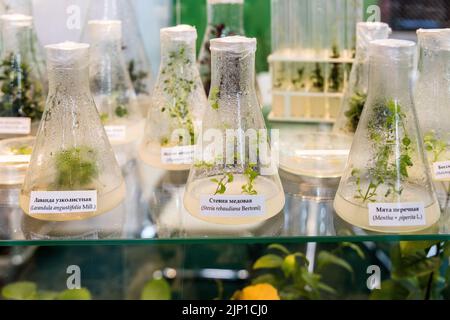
(153, 214)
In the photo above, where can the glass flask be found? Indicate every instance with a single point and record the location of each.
(73, 174)
(111, 85)
(225, 18)
(21, 79)
(136, 59)
(178, 103)
(234, 179)
(432, 98)
(386, 186)
(356, 92)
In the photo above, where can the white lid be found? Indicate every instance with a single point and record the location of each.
(434, 39)
(225, 1)
(17, 20)
(105, 29)
(68, 55)
(181, 32)
(236, 44)
(369, 31)
(392, 50)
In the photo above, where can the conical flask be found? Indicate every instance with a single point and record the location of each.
(178, 103)
(356, 92)
(21, 80)
(111, 85)
(73, 174)
(386, 186)
(234, 179)
(432, 98)
(225, 18)
(136, 59)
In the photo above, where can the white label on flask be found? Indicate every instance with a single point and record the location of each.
(116, 133)
(57, 202)
(15, 125)
(178, 155)
(232, 206)
(441, 170)
(396, 214)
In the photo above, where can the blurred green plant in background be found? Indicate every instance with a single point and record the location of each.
(256, 23)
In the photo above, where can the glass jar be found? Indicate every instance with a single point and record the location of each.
(432, 96)
(177, 105)
(136, 59)
(21, 78)
(225, 18)
(356, 91)
(386, 186)
(73, 174)
(234, 179)
(111, 84)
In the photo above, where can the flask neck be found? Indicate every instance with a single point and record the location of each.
(233, 73)
(69, 81)
(16, 40)
(390, 80)
(226, 18)
(434, 66)
(361, 76)
(102, 47)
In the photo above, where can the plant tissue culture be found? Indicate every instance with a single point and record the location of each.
(21, 81)
(386, 186)
(136, 59)
(432, 97)
(178, 103)
(111, 86)
(73, 174)
(234, 180)
(225, 18)
(356, 91)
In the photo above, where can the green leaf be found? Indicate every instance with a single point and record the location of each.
(74, 294)
(324, 287)
(267, 278)
(406, 141)
(20, 291)
(355, 248)
(46, 295)
(447, 249)
(312, 280)
(156, 289)
(326, 258)
(412, 265)
(390, 290)
(279, 247)
(408, 247)
(269, 261)
(292, 293)
(289, 264)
